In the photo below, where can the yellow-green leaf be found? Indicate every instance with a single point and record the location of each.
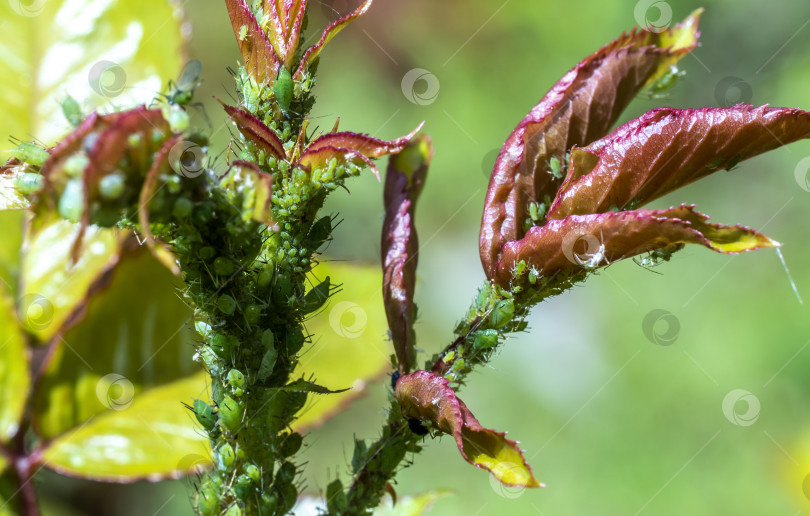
(135, 336)
(14, 378)
(51, 289)
(105, 54)
(153, 438)
(350, 340)
(426, 396)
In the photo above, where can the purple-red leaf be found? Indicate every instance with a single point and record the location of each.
(256, 131)
(329, 33)
(404, 181)
(258, 54)
(427, 397)
(352, 147)
(580, 108)
(667, 148)
(286, 17)
(589, 241)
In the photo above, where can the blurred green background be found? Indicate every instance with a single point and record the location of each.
(613, 422)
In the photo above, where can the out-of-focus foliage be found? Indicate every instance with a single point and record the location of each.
(105, 54)
(605, 409)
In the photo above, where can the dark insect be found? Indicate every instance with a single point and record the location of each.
(417, 427)
(394, 378)
(182, 91)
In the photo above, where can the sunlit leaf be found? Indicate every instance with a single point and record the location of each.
(256, 131)
(50, 288)
(135, 334)
(153, 438)
(667, 148)
(427, 397)
(580, 108)
(105, 54)
(258, 54)
(590, 241)
(14, 378)
(350, 340)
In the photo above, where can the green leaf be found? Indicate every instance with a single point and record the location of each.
(153, 438)
(108, 54)
(50, 288)
(135, 336)
(350, 340)
(14, 378)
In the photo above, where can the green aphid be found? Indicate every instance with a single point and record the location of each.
(486, 339)
(555, 167)
(253, 472)
(204, 414)
(72, 111)
(520, 268)
(29, 183)
(111, 186)
(30, 153)
(75, 164)
(236, 378)
(316, 297)
(283, 89)
(224, 456)
(665, 82)
(230, 414)
(182, 208)
(71, 203)
(502, 313)
(226, 304)
(178, 119)
(223, 266)
(243, 487)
